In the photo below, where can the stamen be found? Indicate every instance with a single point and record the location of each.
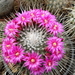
(32, 14)
(54, 44)
(17, 54)
(49, 64)
(55, 27)
(8, 57)
(32, 60)
(43, 15)
(7, 45)
(45, 21)
(11, 29)
(23, 18)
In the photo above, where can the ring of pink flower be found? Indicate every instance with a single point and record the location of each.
(33, 61)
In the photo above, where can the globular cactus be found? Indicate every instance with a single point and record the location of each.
(36, 41)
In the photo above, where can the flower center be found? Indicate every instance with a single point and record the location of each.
(54, 44)
(43, 15)
(32, 14)
(45, 21)
(17, 54)
(23, 18)
(33, 60)
(8, 57)
(7, 45)
(55, 27)
(49, 63)
(58, 52)
(11, 30)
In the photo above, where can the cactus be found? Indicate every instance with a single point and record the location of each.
(26, 40)
(71, 21)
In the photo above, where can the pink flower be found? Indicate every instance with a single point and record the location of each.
(15, 20)
(49, 64)
(54, 43)
(34, 14)
(58, 55)
(7, 57)
(33, 60)
(8, 44)
(23, 18)
(46, 21)
(37, 70)
(44, 13)
(17, 54)
(11, 29)
(56, 28)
